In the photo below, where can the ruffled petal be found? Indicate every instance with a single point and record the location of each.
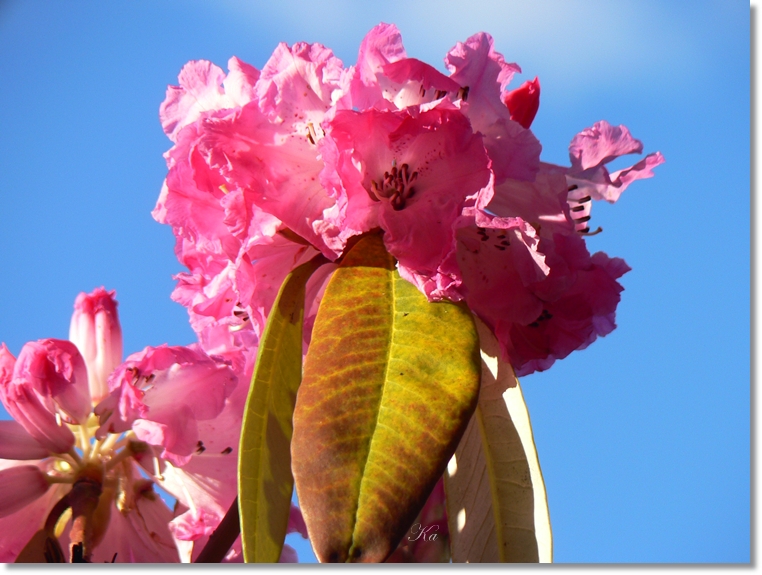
(515, 152)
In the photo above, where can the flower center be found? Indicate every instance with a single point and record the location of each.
(110, 454)
(396, 186)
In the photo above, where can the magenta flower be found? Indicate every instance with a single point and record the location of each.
(271, 168)
(411, 173)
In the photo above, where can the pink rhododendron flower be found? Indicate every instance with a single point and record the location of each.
(172, 419)
(270, 168)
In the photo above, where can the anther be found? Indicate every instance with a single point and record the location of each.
(422, 91)
(463, 93)
(582, 219)
(440, 94)
(587, 232)
(573, 187)
(311, 134)
(578, 208)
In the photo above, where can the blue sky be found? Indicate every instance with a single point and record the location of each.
(643, 438)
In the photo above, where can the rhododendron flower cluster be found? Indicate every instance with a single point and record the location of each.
(271, 167)
(84, 419)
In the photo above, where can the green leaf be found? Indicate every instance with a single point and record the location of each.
(265, 482)
(497, 508)
(390, 383)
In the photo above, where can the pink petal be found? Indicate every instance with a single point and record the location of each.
(201, 91)
(19, 527)
(514, 151)
(191, 526)
(543, 202)
(594, 147)
(16, 443)
(288, 555)
(296, 522)
(381, 46)
(297, 83)
(600, 144)
(19, 486)
(7, 363)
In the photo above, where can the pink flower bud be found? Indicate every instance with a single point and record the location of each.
(55, 370)
(523, 102)
(95, 330)
(19, 486)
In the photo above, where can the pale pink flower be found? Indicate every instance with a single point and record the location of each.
(163, 407)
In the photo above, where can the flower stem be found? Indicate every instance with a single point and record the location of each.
(84, 497)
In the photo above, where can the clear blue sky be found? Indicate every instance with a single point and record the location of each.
(644, 437)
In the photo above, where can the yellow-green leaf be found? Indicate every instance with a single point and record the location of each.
(497, 508)
(390, 383)
(265, 483)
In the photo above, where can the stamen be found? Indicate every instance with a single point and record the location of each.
(396, 186)
(224, 189)
(463, 93)
(587, 232)
(422, 91)
(440, 94)
(311, 134)
(75, 456)
(157, 469)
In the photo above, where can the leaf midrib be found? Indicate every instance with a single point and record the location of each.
(393, 293)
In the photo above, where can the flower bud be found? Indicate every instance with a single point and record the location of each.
(55, 370)
(95, 330)
(523, 102)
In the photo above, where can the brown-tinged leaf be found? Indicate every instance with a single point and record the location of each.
(390, 383)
